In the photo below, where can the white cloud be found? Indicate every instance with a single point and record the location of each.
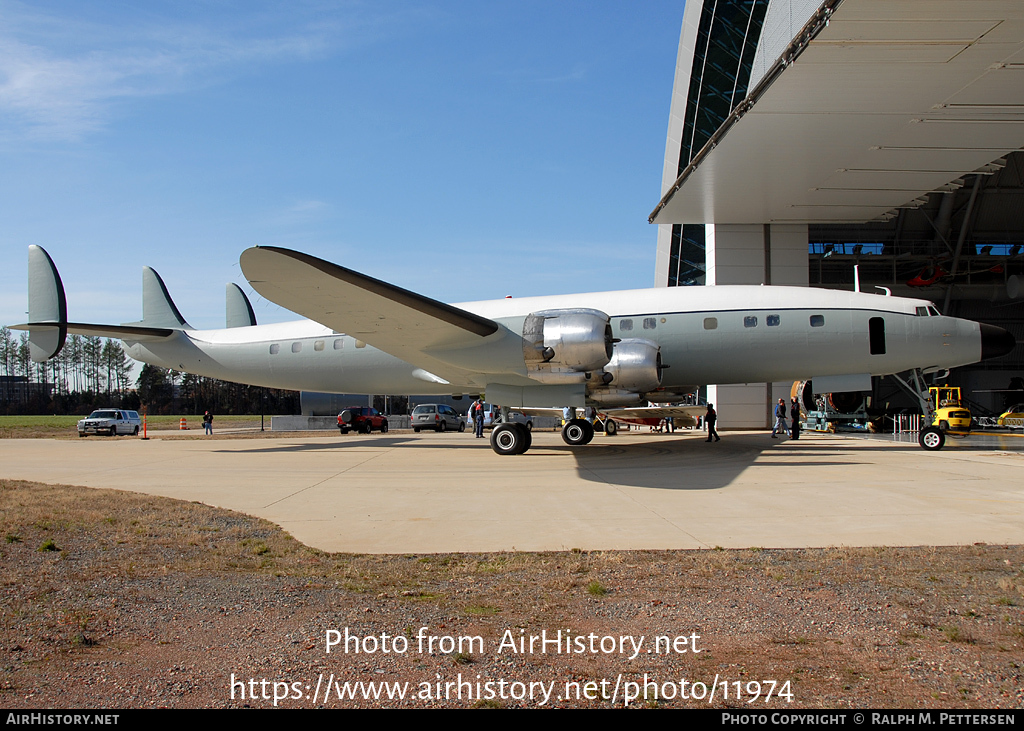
(60, 77)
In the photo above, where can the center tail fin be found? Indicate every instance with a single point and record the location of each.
(238, 309)
(158, 309)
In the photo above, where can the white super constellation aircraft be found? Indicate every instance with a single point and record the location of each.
(603, 349)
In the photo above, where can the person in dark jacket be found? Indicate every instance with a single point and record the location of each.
(794, 414)
(709, 419)
(780, 419)
(477, 412)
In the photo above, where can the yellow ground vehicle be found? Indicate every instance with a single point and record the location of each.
(1012, 417)
(951, 413)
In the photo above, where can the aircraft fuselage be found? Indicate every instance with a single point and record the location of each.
(720, 334)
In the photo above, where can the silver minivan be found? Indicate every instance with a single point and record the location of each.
(438, 417)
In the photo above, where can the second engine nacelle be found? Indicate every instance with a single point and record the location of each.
(635, 365)
(577, 340)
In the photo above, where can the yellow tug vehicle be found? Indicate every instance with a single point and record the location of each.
(1012, 418)
(951, 414)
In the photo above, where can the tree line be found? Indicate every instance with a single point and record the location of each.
(92, 372)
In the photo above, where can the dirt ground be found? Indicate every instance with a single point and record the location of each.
(120, 600)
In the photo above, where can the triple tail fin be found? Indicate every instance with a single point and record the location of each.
(48, 324)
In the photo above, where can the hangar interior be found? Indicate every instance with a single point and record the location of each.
(806, 139)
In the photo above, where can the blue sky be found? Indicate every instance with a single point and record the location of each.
(464, 150)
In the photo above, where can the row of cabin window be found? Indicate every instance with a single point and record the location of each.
(649, 323)
(711, 323)
(275, 348)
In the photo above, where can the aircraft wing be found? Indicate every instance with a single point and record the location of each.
(405, 324)
(539, 411)
(655, 412)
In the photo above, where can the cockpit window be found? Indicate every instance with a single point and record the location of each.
(921, 311)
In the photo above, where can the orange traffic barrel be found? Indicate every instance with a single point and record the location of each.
(182, 426)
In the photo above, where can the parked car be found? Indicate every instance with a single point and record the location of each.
(438, 417)
(361, 419)
(492, 417)
(110, 422)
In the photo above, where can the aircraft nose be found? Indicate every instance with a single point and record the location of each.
(995, 341)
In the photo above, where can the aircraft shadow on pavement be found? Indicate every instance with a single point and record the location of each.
(382, 442)
(686, 461)
(679, 461)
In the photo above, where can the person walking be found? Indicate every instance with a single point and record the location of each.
(709, 419)
(208, 423)
(780, 419)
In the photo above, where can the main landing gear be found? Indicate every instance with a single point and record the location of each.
(511, 438)
(577, 432)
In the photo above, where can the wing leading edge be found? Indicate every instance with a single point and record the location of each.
(409, 326)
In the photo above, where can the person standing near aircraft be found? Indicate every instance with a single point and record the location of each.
(709, 419)
(477, 411)
(208, 423)
(794, 414)
(780, 419)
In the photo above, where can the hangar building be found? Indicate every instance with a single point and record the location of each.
(806, 137)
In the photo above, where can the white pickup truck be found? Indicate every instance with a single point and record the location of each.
(110, 422)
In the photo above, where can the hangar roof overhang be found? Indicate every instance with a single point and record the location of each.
(875, 104)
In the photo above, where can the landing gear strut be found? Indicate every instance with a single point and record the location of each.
(931, 438)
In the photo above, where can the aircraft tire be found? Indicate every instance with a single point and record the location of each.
(527, 435)
(932, 439)
(507, 439)
(590, 432)
(575, 432)
(611, 428)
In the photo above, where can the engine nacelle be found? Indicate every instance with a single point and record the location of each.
(576, 340)
(635, 365)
